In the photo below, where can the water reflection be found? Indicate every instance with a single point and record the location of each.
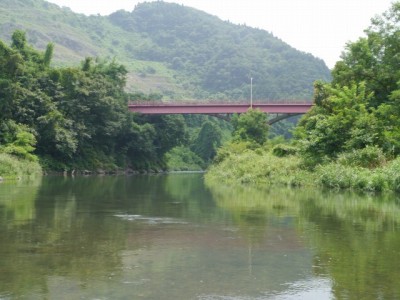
(355, 237)
(169, 237)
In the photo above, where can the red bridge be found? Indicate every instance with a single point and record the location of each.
(283, 109)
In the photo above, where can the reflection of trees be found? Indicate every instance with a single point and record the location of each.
(72, 236)
(17, 201)
(259, 214)
(62, 237)
(253, 209)
(357, 241)
(356, 236)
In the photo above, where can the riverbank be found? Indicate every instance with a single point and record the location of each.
(13, 168)
(260, 167)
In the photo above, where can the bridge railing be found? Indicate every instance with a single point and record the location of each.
(217, 102)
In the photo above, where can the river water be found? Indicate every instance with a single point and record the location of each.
(170, 237)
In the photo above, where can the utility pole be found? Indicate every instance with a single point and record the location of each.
(251, 92)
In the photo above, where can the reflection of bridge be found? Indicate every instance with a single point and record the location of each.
(283, 109)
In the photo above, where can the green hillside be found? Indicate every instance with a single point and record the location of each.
(171, 49)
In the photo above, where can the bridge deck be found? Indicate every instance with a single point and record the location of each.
(218, 108)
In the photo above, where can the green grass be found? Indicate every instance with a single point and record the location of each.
(259, 167)
(14, 168)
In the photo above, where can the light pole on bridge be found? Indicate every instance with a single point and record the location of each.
(251, 92)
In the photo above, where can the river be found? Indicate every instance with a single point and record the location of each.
(170, 237)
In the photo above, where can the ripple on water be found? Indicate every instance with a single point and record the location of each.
(150, 220)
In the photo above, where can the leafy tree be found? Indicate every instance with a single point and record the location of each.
(340, 122)
(77, 115)
(48, 55)
(251, 126)
(17, 140)
(360, 108)
(207, 142)
(371, 59)
(170, 132)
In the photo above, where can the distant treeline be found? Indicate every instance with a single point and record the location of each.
(171, 49)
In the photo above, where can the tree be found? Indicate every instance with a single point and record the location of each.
(170, 132)
(339, 122)
(207, 142)
(360, 108)
(372, 59)
(251, 126)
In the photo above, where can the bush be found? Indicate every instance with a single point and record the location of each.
(12, 167)
(392, 174)
(340, 176)
(368, 157)
(182, 159)
(282, 150)
(232, 148)
(254, 167)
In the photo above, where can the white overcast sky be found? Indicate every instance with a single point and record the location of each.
(319, 27)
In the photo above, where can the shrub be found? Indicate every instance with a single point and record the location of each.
(183, 159)
(252, 167)
(282, 150)
(368, 157)
(392, 174)
(12, 167)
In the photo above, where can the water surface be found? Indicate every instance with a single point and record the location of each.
(170, 237)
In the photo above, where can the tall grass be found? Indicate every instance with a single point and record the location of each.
(257, 167)
(365, 170)
(12, 167)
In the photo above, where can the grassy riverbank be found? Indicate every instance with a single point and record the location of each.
(260, 167)
(12, 168)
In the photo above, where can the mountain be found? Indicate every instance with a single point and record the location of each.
(171, 49)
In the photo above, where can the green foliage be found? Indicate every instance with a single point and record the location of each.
(171, 49)
(262, 168)
(225, 54)
(207, 142)
(18, 140)
(282, 150)
(369, 157)
(19, 40)
(392, 173)
(255, 167)
(348, 138)
(48, 55)
(340, 122)
(360, 108)
(232, 148)
(183, 159)
(13, 168)
(77, 118)
(251, 126)
(346, 177)
(170, 132)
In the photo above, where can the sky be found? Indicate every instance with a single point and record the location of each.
(319, 27)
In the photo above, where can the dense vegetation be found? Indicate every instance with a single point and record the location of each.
(76, 117)
(171, 49)
(350, 138)
(219, 57)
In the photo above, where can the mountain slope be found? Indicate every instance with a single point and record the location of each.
(171, 49)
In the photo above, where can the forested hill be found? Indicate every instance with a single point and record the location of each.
(171, 49)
